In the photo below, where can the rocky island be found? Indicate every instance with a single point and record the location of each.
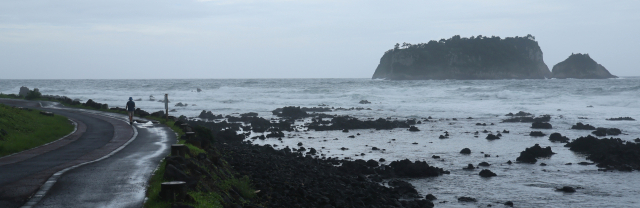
(580, 66)
(465, 58)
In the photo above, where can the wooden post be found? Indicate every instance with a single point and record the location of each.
(184, 126)
(190, 134)
(166, 106)
(179, 150)
(173, 190)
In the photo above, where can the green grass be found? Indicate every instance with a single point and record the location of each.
(153, 190)
(29, 129)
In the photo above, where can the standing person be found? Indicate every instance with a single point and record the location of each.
(131, 107)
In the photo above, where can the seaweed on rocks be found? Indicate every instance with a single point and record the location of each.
(347, 122)
(298, 112)
(581, 126)
(530, 155)
(528, 119)
(621, 119)
(611, 153)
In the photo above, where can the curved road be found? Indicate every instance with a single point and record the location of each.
(104, 163)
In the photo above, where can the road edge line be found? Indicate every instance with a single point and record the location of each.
(35, 199)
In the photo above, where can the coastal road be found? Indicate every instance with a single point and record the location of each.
(104, 163)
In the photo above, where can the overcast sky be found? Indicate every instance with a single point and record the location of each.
(166, 39)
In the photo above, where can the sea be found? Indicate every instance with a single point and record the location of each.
(455, 106)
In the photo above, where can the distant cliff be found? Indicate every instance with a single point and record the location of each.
(580, 66)
(465, 58)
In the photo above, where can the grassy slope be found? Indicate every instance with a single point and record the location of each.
(29, 129)
(201, 199)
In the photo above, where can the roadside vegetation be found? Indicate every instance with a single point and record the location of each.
(218, 184)
(22, 129)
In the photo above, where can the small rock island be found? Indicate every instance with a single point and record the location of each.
(465, 58)
(580, 66)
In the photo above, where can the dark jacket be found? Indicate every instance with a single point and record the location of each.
(131, 106)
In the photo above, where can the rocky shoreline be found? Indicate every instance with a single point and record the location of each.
(302, 177)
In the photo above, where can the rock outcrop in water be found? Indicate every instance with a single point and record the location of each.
(580, 66)
(612, 153)
(530, 155)
(465, 58)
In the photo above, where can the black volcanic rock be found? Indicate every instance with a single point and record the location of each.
(408, 169)
(612, 153)
(465, 58)
(541, 125)
(467, 199)
(484, 164)
(486, 173)
(581, 126)
(528, 119)
(536, 134)
(404, 188)
(621, 119)
(465, 151)
(520, 113)
(413, 128)
(606, 131)
(567, 189)
(346, 122)
(557, 137)
(580, 66)
(430, 197)
(492, 137)
(530, 154)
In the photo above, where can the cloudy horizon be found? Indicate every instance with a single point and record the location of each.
(221, 39)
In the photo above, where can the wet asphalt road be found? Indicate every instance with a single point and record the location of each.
(116, 181)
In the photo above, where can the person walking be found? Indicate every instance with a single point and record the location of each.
(131, 107)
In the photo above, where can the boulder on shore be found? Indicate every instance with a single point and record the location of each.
(530, 154)
(557, 137)
(23, 91)
(581, 126)
(486, 173)
(467, 199)
(541, 125)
